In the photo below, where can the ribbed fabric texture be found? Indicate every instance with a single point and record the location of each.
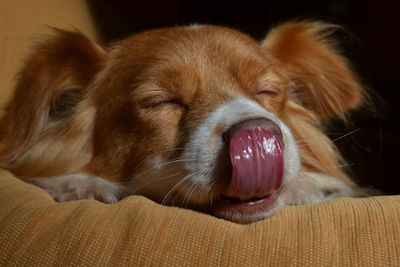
(36, 231)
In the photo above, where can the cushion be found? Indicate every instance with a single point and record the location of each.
(37, 231)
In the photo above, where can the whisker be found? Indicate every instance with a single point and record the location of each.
(301, 143)
(158, 152)
(345, 165)
(211, 198)
(141, 174)
(155, 181)
(175, 186)
(204, 192)
(189, 194)
(163, 164)
(343, 136)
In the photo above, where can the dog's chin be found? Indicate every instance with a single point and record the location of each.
(246, 211)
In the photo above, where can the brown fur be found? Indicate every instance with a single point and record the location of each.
(77, 108)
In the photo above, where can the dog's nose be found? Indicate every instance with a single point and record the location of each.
(252, 124)
(256, 157)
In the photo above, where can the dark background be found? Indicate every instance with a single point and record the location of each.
(370, 39)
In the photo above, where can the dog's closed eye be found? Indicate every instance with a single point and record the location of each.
(267, 92)
(161, 101)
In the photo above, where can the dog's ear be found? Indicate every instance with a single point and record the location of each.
(49, 88)
(320, 78)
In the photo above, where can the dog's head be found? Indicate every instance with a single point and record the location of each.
(202, 117)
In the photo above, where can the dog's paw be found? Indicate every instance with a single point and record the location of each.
(314, 187)
(80, 186)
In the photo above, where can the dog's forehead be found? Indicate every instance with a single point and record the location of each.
(188, 46)
(191, 57)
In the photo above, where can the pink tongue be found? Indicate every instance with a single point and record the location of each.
(257, 161)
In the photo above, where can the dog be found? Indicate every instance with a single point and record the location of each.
(201, 117)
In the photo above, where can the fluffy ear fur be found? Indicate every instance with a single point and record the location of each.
(320, 77)
(49, 89)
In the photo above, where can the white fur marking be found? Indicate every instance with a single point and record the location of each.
(229, 114)
(313, 187)
(80, 186)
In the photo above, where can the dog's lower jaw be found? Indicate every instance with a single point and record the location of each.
(248, 211)
(308, 188)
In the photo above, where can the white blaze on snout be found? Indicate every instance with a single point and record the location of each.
(204, 145)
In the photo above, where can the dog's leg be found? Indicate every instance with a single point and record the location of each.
(81, 186)
(314, 187)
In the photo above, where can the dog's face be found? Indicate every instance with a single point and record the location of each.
(202, 108)
(201, 117)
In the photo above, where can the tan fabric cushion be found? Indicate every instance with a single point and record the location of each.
(36, 231)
